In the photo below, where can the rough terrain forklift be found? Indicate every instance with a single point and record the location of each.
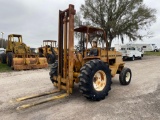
(18, 55)
(49, 50)
(92, 68)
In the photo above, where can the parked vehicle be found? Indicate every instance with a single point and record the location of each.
(146, 47)
(49, 50)
(129, 52)
(92, 68)
(2, 50)
(18, 55)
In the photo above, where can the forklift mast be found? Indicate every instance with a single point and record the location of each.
(66, 46)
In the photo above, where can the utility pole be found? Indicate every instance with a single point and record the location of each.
(2, 39)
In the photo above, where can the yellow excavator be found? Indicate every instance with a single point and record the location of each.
(92, 68)
(49, 50)
(18, 55)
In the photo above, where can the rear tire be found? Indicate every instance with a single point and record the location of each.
(9, 59)
(53, 72)
(155, 50)
(142, 55)
(3, 58)
(125, 76)
(95, 80)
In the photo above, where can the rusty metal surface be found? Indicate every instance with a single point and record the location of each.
(66, 45)
(15, 35)
(22, 58)
(29, 63)
(87, 29)
(29, 67)
(56, 95)
(70, 61)
(42, 101)
(12, 43)
(67, 64)
(49, 41)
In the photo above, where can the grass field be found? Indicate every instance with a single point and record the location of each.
(4, 68)
(152, 53)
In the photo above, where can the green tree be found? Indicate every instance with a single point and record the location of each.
(119, 18)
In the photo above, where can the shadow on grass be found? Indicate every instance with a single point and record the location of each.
(4, 68)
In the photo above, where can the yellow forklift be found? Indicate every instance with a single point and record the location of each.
(93, 67)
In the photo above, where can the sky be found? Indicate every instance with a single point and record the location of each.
(37, 20)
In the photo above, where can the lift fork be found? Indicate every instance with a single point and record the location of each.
(24, 106)
(65, 50)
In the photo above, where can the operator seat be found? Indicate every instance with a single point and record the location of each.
(93, 52)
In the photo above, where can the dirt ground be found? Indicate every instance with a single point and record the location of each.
(138, 101)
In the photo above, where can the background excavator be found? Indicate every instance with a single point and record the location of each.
(18, 55)
(49, 50)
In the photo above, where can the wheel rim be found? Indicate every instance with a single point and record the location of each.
(128, 76)
(99, 80)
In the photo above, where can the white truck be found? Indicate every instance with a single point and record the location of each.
(129, 52)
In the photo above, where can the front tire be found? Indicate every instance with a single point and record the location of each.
(9, 59)
(3, 58)
(140, 57)
(125, 76)
(95, 80)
